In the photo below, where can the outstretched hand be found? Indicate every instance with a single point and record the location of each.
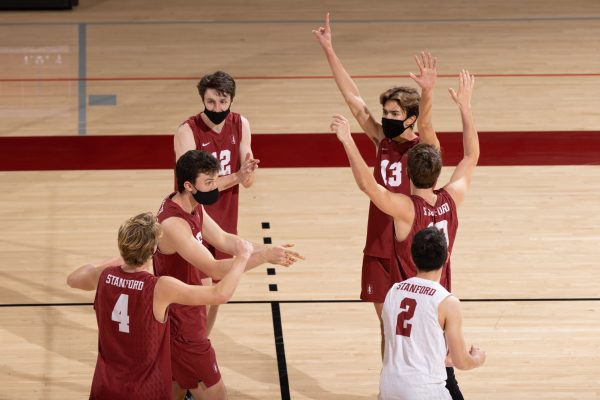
(427, 71)
(341, 127)
(323, 34)
(282, 255)
(466, 82)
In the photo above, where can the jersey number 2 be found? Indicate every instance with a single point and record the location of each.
(408, 307)
(225, 159)
(119, 313)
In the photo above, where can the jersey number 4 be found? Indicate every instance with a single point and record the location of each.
(408, 307)
(225, 159)
(119, 313)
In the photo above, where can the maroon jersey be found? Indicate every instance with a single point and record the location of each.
(187, 322)
(134, 357)
(389, 171)
(443, 215)
(225, 146)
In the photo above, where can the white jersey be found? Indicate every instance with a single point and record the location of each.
(415, 348)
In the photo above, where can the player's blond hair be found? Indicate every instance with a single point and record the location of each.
(138, 238)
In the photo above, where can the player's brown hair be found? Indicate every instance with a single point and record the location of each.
(191, 164)
(138, 238)
(220, 81)
(407, 98)
(424, 165)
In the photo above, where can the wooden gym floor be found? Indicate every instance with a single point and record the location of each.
(525, 258)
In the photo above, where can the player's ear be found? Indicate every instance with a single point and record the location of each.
(188, 186)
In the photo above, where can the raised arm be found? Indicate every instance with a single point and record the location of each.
(461, 177)
(86, 277)
(347, 87)
(394, 204)
(426, 80)
(169, 290)
(451, 321)
(184, 141)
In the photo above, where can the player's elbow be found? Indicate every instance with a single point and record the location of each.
(71, 282)
(222, 296)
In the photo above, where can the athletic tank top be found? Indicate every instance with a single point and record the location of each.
(415, 347)
(443, 215)
(389, 171)
(134, 357)
(225, 146)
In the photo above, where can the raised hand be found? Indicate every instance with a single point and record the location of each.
(247, 168)
(466, 82)
(323, 34)
(282, 255)
(341, 127)
(427, 71)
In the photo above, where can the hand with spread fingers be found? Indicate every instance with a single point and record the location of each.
(466, 82)
(427, 71)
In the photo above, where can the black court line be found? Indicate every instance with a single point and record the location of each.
(284, 384)
(325, 301)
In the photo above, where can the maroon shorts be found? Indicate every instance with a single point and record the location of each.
(376, 279)
(192, 363)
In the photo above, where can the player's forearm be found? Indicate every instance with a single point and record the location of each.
(226, 181)
(362, 175)
(466, 361)
(470, 135)
(249, 181)
(342, 78)
(226, 287)
(425, 120)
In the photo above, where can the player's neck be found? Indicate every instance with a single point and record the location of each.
(131, 269)
(426, 194)
(430, 275)
(185, 201)
(406, 136)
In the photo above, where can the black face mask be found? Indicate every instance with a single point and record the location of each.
(206, 198)
(393, 127)
(216, 117)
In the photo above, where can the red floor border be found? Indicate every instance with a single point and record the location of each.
(286, 150)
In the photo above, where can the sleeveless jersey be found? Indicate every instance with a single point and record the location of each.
(415, 347)
(389, 171)
(225, 146)
(443, 215)
(187, 322)
(134, 357)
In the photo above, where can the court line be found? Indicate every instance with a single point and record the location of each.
(290, 77)
(284, 385)
(326, 301)
(407, 21)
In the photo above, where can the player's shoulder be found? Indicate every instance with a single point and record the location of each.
(450, 302)
(184, 128)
